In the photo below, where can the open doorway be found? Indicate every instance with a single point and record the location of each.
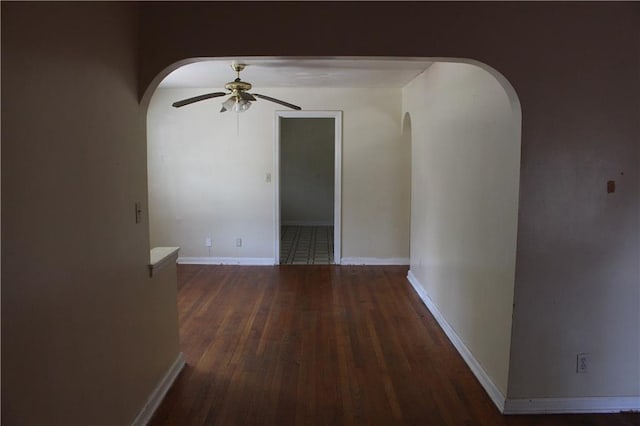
(307, 187)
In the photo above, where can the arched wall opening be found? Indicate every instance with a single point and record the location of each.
(431, 175)
(405, 146)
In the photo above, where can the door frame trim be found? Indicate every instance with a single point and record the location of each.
(337, 180)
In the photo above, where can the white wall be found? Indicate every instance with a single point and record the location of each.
(86, 333)
(307, 147)
(206, 180)
(465, 174)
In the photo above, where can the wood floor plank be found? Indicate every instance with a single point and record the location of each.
(323, 345)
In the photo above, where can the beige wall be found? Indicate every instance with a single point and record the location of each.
(86, 334)
(307, 148)
(466, 164)
(206, 180)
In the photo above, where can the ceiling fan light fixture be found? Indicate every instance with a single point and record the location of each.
(228, 104)
(235, 104)
(241, 106)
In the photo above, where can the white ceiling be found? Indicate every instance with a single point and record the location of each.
(299, 72)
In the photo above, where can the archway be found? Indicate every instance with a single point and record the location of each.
(405, 147)
(432, 225)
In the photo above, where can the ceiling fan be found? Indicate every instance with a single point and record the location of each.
(240, 99)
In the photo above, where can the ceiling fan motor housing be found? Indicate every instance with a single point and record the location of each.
(237, 86)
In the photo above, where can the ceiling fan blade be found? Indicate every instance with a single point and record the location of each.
(277, 101)
(198, 99)
(246, 96)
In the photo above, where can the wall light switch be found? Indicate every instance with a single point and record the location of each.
(267, 177)
(138, 208)
(238, 242)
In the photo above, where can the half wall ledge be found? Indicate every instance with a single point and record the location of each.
(161, 257)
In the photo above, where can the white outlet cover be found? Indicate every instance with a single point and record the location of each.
(582, 364)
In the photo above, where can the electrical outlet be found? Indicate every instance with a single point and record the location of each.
(582, 363)
(207, 242)
(267, 177)
(238, 242)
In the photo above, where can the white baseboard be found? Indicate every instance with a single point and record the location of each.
(375, 261)
(226, 260)
(525, 405)
(492, 390)
(156, 397)
(572, 405)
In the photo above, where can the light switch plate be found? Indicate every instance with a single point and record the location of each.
(138, 208)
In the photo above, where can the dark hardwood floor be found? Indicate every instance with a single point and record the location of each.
(323, 345)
